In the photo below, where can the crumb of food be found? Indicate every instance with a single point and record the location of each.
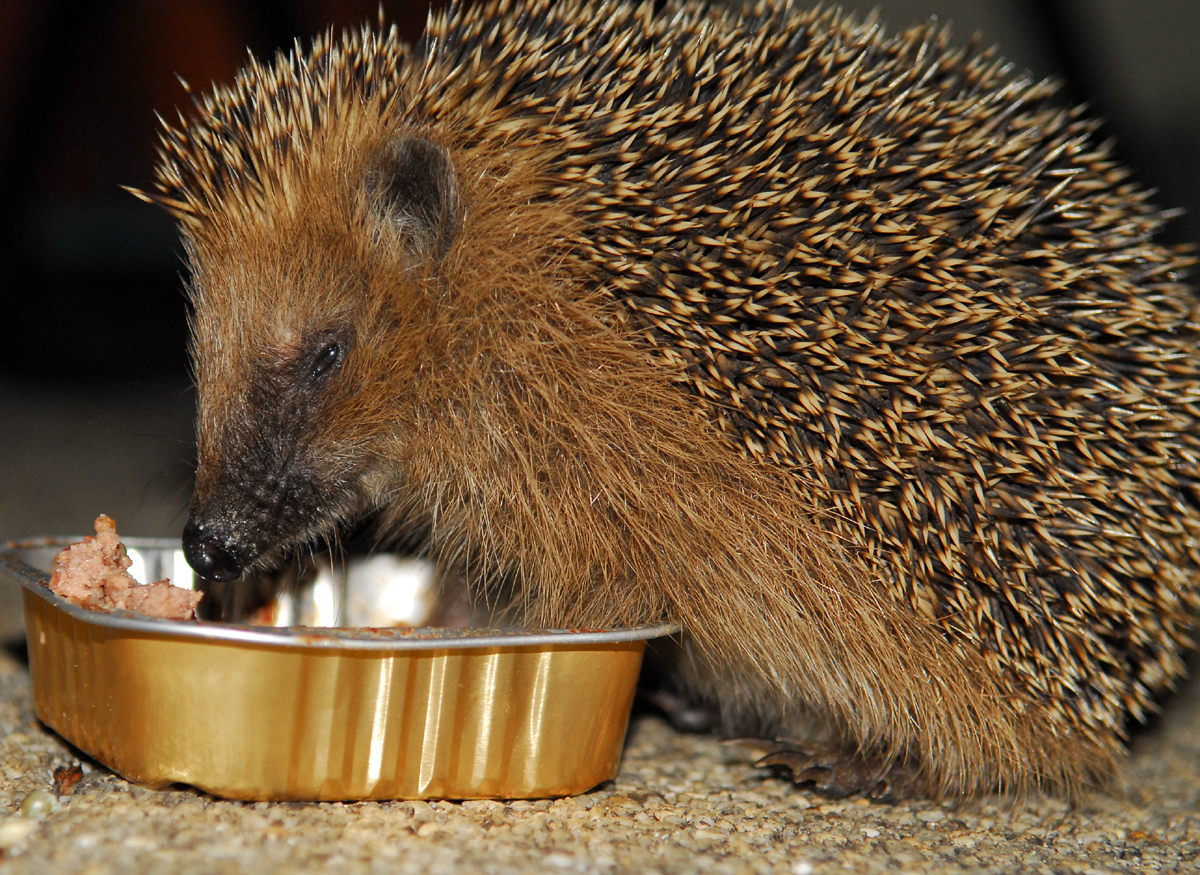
(65, 779)
(94, 574)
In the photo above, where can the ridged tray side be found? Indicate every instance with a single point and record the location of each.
(254, 722)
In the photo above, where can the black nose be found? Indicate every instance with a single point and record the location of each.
(210, 559)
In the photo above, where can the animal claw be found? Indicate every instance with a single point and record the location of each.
(833, 771)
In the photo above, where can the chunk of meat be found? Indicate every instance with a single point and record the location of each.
(95, 574)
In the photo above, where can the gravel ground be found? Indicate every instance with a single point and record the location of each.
(681, 803)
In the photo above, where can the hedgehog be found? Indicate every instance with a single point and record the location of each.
(852, 354)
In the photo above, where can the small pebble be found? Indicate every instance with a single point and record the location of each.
(38, 804)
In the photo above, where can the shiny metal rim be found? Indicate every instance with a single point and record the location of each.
(346, 639)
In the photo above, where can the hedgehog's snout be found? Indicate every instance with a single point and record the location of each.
(212, 557)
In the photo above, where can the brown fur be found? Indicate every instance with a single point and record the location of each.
(502, 396)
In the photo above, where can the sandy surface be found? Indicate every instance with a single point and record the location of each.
(681, 803)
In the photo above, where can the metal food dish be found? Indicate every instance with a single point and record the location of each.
(260, 712)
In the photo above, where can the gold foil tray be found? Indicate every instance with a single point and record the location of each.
(331, 714)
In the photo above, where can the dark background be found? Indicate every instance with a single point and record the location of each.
(95, 404)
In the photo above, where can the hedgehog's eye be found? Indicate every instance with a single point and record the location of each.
(328, 360)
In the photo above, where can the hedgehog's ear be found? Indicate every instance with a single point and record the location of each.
(413, 182)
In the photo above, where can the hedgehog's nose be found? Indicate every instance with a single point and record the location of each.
(211, 560)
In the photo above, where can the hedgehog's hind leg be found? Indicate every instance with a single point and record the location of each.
(835, 771)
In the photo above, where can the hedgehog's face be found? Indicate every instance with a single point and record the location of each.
(307, 338)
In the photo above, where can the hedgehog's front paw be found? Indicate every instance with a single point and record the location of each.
(836, 772)
(684, 713)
